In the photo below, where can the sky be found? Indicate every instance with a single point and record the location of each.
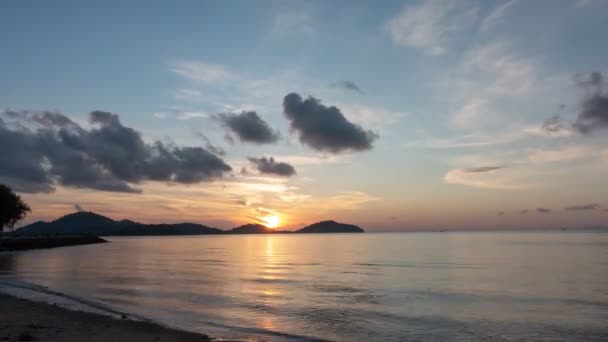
(398, 115)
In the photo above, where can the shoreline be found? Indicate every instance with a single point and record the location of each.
(26, 320)
(22, 243)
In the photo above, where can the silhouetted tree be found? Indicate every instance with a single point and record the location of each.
(12, 208)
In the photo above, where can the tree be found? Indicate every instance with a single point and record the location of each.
(12, 208)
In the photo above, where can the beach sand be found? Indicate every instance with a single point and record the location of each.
(23, 320)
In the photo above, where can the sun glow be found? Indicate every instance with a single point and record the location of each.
(271, 221)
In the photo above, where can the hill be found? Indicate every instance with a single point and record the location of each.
(252, 228)
(79, 223)
(140, 229)
(88, 223)
(330, 227)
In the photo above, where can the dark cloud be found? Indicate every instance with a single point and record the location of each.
(523, 212)
(270, 166)
(555, 125)
(249, 127)
(78, 207)
(325, 128)
(593, 114)
(43, 149)
(500, 213)
(482, 169)
(215, 149)
(592, 80)
(543, 210)
(582, 207)
(348, 85)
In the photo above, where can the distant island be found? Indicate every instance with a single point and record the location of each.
(89, 223)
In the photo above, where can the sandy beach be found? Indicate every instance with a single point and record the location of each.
(23, 320)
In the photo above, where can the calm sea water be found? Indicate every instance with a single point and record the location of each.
(549, 286)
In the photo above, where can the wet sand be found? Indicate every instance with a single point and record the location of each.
(23, 320)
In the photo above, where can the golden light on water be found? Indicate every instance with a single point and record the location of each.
(271, 221)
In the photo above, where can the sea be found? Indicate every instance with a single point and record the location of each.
(443, 286)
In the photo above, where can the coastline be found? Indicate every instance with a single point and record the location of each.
(25, 320)
(22, 243)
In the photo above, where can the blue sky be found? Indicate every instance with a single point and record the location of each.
(450, 87)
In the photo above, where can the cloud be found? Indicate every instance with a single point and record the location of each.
(249, 127)
(500, 71)
(187, 94)
(430, 25)
(482, 169)
(555, 126)
(350, 200)
(583, 207)
(348, 85)
(593, 114)
(325, 128)
(543, 210)
(567, 153)
(43, 149)
(180, 114)
(270, 166)
(215, 149)
(485, 177)
(490, 80)
(476, 139)
(201, 72)
(523, 212)
(78, 207)
(496, 16)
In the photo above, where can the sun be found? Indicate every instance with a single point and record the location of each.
(271, 221)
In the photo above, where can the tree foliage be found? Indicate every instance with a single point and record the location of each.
(12, 208)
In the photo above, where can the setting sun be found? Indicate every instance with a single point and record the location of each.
(271, 221)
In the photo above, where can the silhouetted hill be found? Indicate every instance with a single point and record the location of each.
(140, 229)
(330, 227)
(88, 223)
(251, 228)
(79, 223)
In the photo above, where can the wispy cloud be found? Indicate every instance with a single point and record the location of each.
(430, 24)
(489, 75)
(471, 140)
(583, 207)
(201, 72)
(485, 177)
(482, 169)
(180, 114)
(501, 71)
(539, 156)
(187, 94)
(496, 16)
